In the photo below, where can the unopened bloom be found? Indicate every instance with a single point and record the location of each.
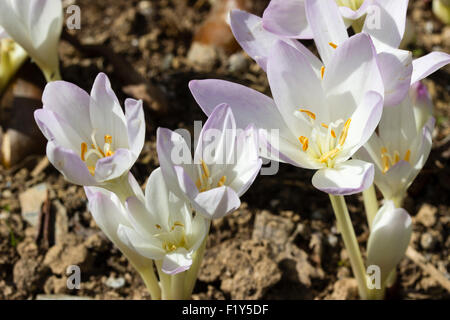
(389, 238)
(225, 164)
(90, 140)
(402, 145)
(323, 116)
(36, 26)
(159, 227)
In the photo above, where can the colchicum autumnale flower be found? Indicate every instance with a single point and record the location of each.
(286, 19)
(90, 140)
(36, 26)
(323, 116)
(402, 145)
(225, 164)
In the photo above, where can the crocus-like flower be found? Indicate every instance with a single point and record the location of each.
(36, 26)
(326, 24)
(389, 238)
(160, 226)
(402, 145)
(225, 164)
(322, 116)
(109, 213)
(90, 140)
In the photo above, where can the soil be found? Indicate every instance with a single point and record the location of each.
(283, 241)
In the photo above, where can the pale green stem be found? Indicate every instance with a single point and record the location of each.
(370, 204)
(51, 75)
(376, 294)
(177, 291)
(192, 273)
(151, 282)
(351, 244)
(164, 281)
(12, 57)
(121, 187)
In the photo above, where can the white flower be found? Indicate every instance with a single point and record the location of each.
(402, 145)
(90, 140)
(36, 26)
(158, 227)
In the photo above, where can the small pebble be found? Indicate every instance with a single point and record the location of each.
(332, 240)
(115, 283)
(427, 241)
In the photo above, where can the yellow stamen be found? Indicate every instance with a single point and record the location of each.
(178, 224)
(83, 150)
(205, 169)
(383, 150)
(109, 153)
(108, 139)
(322, 72)
(91, 170)
(396, 157)
(385, 160)
(198, 183)
(344, 132)
(333, 45)
(222, 181)
(157, 226)
(408, 155)
(304, 141)
(333, 134)
(329, 154)
(312, 115)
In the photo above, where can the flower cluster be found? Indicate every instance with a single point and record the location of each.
(358, 115)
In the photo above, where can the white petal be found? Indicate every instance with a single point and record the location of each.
(176, 262)
(347, 178)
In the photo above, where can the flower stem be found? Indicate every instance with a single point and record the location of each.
(121, 187)
(164, 281)
(370, 204)
(51, 75)
(151, 282)
(351, 244)
(177, 291)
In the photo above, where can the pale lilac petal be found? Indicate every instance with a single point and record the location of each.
(248, 105)
(177, 262)
(106, 113)
(115, 166)
(350, 14)
(396, 70)
(246, 165)
(217, 202)
(58, 130)
(148, 247)
(217, 138)
(70, 165)
(295, 86)
(134, 114)
(109, 214)
(364, 121)
(287, 18)
(385, 23)
(347, 178)
(185, 183)
(350, 74)
(426, 65)
(257, 42)
(327, 26)
(71, 103)
(141, 219)
(173, 151)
